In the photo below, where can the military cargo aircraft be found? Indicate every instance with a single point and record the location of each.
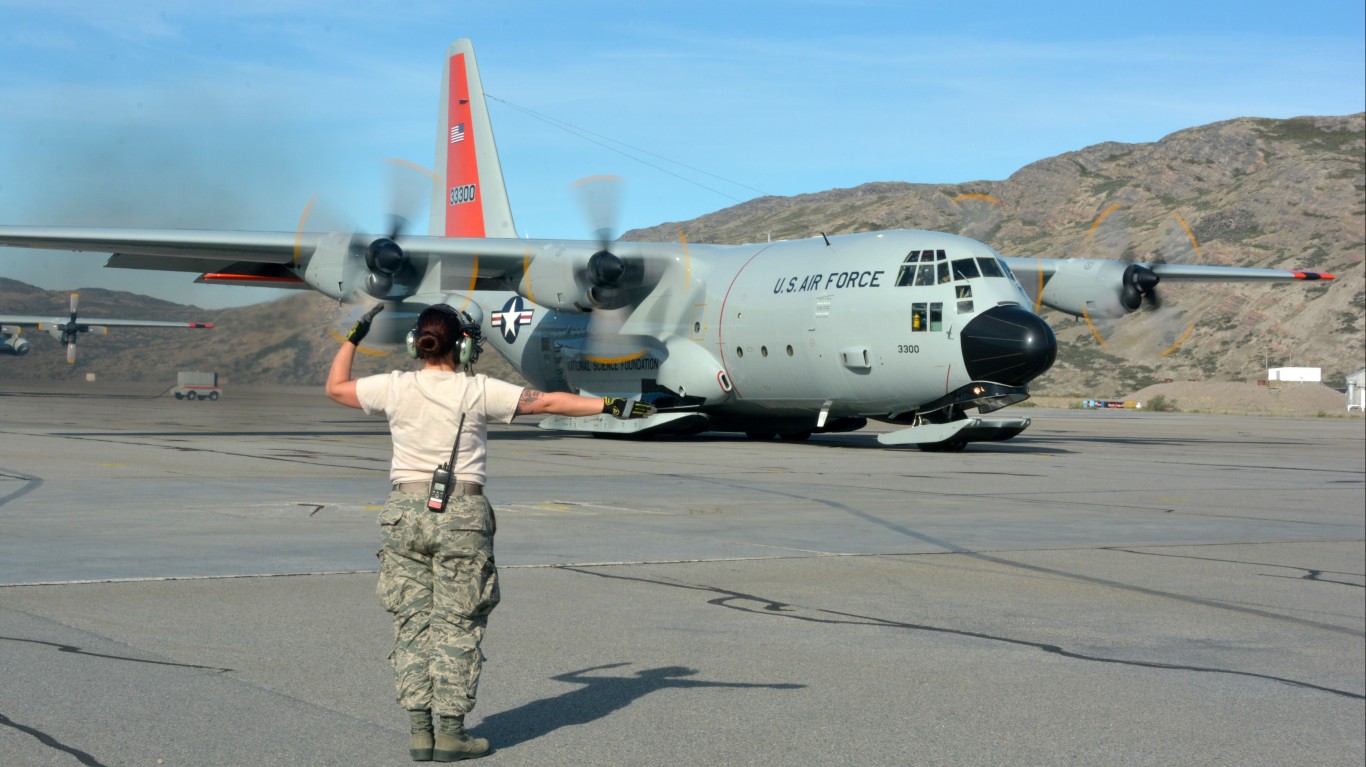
(67, 330)
(784, 339)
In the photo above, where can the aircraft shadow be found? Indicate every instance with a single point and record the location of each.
(599, 697)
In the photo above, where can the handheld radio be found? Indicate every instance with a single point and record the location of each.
(441, 488)
(443, 478)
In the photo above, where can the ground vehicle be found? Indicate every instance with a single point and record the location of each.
(196, 385)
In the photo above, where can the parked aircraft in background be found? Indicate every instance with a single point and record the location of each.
(67, 330)
(787, 338)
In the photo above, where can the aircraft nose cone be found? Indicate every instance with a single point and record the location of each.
(1008, 345)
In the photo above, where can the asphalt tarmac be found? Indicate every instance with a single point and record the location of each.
(193, 584)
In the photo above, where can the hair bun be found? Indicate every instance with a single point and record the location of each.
(427, 342)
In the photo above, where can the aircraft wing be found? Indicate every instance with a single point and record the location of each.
(42, 323)
(245, 258)
(1027, 268)
(277, 259)
(200, 245)
(195, 249)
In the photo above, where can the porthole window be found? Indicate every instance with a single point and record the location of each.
(739, 352)
(697, 327)
(789, 350)
(763, 350)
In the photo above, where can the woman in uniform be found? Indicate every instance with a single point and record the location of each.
(437, 573)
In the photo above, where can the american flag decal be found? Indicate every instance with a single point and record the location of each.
(457, 133)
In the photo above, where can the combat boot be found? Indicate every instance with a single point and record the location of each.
(453, 744)
(422, 741)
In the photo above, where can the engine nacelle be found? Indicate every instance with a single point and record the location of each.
(1098, 289)
(690, 371)
(574, 279)
(327, 267)
(552, 280)
(14, 345)
(345, 266)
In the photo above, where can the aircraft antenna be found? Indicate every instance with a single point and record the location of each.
(592, 137)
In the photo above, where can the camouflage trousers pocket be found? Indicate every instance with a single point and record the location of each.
(489, 593)
(473, 586)
(396, 587)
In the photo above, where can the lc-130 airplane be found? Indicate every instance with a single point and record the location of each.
(67, 330)
(784, 338)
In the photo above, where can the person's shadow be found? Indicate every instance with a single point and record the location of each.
(599, 696)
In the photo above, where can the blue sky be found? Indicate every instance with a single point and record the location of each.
(232, 115)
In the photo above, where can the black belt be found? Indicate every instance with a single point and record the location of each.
(422, 488)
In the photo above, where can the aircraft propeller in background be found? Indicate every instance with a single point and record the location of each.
(66, 331)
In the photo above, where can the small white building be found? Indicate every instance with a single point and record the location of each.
(1356, 390)
(1295, 374)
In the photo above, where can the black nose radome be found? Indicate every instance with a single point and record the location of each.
(1008, 345)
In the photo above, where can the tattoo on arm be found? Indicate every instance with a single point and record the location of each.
(529, 397)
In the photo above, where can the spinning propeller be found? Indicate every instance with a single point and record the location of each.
(376, 268)
(614, 285)
(1114, 241)
(608, 280)
(68, 331)
(1157, 327)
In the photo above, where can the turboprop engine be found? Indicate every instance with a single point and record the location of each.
(14, 344)
(1099, 289)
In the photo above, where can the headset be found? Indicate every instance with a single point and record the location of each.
(467, 346)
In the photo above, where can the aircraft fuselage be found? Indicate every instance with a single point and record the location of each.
(863, 326)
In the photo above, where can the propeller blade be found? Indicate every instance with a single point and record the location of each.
(1162, 318)
(75, 301)
(410, 187)
(71, 353)
(600, 197)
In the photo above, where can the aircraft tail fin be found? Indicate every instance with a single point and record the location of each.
(473, 200)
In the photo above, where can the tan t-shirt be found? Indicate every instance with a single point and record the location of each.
(423, 408)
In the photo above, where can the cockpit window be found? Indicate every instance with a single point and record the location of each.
(990, 267)
(965, 269)
(921, 268)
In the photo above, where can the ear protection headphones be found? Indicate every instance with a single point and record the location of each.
(467, 345)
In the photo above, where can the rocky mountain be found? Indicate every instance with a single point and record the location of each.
(1246, 192)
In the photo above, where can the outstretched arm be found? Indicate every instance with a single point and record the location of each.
(535, 402)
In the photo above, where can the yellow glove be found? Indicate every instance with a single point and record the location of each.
(624, 408)
(362, 326)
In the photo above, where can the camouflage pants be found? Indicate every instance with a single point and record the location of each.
(437, 577)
